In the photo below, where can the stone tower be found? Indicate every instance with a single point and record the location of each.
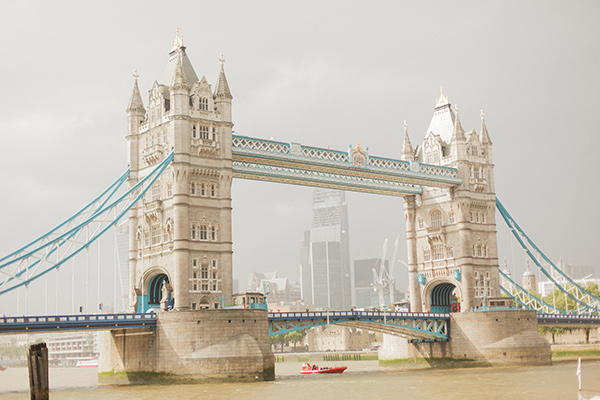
(451, 233)
(529, 281)
(180, 236)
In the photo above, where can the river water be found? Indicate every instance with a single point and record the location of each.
(362, 380)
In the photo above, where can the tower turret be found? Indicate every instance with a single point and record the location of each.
(222, 94)
(408, 153)
(135, 118)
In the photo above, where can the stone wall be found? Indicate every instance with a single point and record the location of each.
(191, 346)
(496, 338)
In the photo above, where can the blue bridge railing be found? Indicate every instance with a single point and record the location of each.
(75, 322)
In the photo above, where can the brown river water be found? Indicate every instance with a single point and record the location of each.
(362, 380)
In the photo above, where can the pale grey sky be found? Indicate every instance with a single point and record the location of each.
(319, 73)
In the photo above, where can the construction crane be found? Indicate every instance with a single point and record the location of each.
(384, 279)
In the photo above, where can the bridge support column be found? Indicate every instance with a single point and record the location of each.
(190, 346)
(411, 243)
(492, 338)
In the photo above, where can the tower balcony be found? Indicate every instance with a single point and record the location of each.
(153, 154)
(478, 184)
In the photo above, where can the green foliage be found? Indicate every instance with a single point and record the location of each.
(296, 337)
(560, 300)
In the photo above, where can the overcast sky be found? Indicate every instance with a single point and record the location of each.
(319, 73)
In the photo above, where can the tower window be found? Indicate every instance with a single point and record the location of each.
(203, 190)
(436, 218)
(203, 232)
(212, 190)
(420, 223)
(194, 134)
(203, 104)
(193, 232)
(451, 218)
(193, 188)
(213, 233)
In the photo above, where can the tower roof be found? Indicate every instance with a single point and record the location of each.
(222, 89)
(178, 52)
(442, 123)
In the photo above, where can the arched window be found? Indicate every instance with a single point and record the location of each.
(436, 218)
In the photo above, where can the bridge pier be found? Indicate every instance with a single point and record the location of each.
(190, 346)
(490, 338)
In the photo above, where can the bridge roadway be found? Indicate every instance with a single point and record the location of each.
(416, 326)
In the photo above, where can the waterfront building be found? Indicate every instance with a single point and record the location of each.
(325, 254)
(341, 338)
(67, 348)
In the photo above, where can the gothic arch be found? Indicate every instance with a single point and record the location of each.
(438, 294)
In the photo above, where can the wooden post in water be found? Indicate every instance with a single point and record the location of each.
(37, 361)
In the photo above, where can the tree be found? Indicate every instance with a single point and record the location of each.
(296, 337)
(278, 340)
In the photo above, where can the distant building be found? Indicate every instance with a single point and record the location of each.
(278, 291)
(325, 255)
(341, 338)
(68, 348)
(363, 282)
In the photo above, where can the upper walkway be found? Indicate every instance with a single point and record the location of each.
(354, 170)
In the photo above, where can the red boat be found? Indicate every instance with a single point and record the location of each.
(2, 368)
(313, 369)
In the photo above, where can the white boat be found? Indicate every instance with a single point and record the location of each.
(93, 362)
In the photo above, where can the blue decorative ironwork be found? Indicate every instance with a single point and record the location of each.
(421, 278)
(64, 242)
(586, 300)
(416, 326)
(354, 170)
(456, 275)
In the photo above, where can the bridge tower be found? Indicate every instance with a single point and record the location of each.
(180, 237)
(451, 233)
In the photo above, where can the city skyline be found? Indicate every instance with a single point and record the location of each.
(326, 78)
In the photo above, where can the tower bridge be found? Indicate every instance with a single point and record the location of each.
(183, 156)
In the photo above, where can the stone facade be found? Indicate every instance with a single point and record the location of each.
(190, 346)
(451, 233)
(492, 338)
(180, 236)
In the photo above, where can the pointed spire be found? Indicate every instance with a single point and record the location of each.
(135, 102)
(222, 89)
(458, 133)
(408, 153)
(179, 80)
(485, 136)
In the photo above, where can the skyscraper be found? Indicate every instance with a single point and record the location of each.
(325, 257)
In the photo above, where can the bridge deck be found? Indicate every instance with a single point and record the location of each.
(53, 323)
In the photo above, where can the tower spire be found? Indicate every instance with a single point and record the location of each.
(458, 133)
(179, 79)
(222, 89)
(408, 153)
(135, 102)
(485, 136)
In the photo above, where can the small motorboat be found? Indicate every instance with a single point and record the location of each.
(313, 369)
(2, 367)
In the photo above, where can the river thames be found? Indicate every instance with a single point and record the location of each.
(362, 380)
